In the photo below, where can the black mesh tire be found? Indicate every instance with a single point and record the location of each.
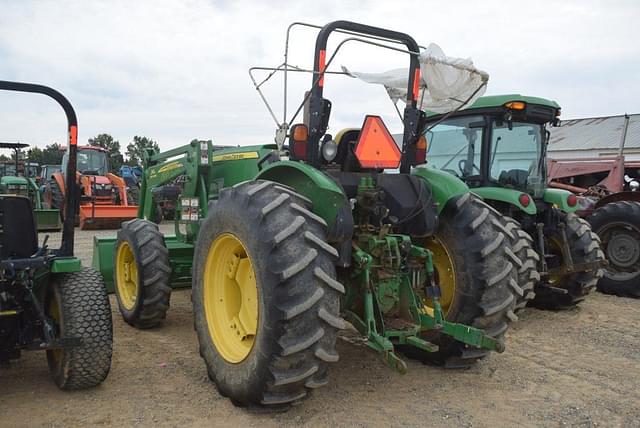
(152, 293)
(82, 311)
(584, 245)
(298, 308)
(485, 277)
(618, 225)
(527, 263)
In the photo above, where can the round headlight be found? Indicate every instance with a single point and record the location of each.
(329, 150)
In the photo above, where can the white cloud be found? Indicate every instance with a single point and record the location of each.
(175, 70)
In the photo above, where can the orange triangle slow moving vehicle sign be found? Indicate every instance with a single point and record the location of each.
(376, 147)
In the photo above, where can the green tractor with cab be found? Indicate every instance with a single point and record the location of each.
(285, 246)
(19, 178)
(48, 301)
(497, 146)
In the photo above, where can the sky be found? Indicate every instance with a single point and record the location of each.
(178, 70)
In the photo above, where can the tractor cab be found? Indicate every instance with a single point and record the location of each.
(91, 161)
(499, 141)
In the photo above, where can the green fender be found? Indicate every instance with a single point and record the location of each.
(558, 197)
(327, 197)
(509, 196)
(66, 264)
(443, 185)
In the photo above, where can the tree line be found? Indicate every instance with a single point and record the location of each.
(52, 153)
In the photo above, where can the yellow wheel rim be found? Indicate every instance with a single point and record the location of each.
(445, 274)
(126, 276)
(230, 298)
(54, 313)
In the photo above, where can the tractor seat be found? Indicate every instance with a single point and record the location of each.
(18, 233)
(346, 140)
(514, 177)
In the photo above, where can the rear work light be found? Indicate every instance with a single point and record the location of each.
(375, 147)
(298, 137)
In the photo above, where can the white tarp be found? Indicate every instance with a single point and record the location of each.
(447, 82)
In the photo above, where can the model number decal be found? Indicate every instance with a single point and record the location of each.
(235, 156)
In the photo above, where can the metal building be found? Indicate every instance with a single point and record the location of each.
(596, 137)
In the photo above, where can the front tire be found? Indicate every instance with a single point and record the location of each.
(141, 272)
(584, 246)
(286, 339)
(79, 305)
(522, 247)
(56, 197)
(618, 226)
(475, 269)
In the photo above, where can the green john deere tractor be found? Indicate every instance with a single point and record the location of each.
(16, 182)
(282, 254)
(48, 302)
(498, 147)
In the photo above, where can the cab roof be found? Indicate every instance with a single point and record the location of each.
(496, 101)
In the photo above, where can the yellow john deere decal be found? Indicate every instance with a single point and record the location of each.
(235, 156)
(168, 167)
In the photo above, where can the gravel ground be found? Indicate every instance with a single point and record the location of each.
(574, 368)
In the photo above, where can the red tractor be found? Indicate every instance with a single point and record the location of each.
(611, 203)
(104, 197)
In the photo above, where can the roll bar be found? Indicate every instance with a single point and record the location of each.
(71, 201)
(320, 108)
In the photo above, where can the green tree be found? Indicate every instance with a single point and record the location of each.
(112, 146)
(52, 155)
(136, 149)
(35, 154)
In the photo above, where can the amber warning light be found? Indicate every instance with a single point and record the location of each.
(376, 148)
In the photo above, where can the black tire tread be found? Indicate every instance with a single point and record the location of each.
(57, 198)
(585, 247)
(307, 293)
(86, 313)
(621, 211)
(491, 272)
(154, 269)
(528, 276)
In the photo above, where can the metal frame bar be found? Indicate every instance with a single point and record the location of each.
(66, 247)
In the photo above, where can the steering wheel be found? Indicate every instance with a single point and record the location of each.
(452, 172)
(462, 166)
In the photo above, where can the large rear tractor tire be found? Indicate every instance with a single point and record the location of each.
(528, 276)
(618, 226)
(476, 271)
(56, 196)
(141, 272)
(584, 246)
(265, 297)
(79, 306)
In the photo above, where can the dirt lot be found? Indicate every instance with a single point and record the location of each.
(576, 368)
